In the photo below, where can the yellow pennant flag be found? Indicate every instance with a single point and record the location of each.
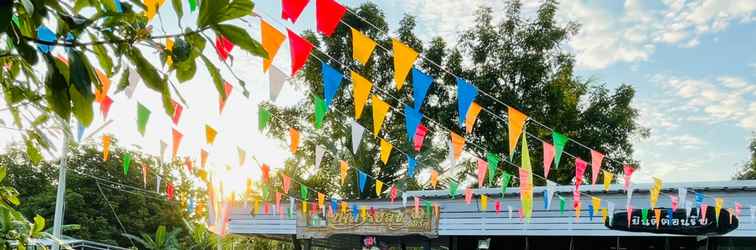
(343, 171)
(362, 46)
(472, 116)
(378, 188)
(362, 88)
(210, 134)
(294, 139)
(304, 207)
(105, 147)
(718, 202)
(596, 204)
(344, 206)
(363, 213)
(271, 42)
(404, 58)
(434, 178)
(321, 199)
(457, 143)
(152, 8)
(516, 122)
(608, 176)
(483, 202)
(385, 150)
(257, 206)
(242, 155)
(380, 109)
(577, 211)
(169, 48)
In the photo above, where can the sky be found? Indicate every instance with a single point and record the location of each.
(692, 64)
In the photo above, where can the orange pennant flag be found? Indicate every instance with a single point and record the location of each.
(385, 150)
(362, 88)
(404, 58)
(203, 158)
(434, 178)
(472, 116)
(102, 92)
(380, 109)
(362, 46)
(457, 142)
(210, 134)
(105, 147)
(343, 170)
(516, 123)
(321, 199)
(152, 8)
(271, 42)
(177, 136)
(294, 139)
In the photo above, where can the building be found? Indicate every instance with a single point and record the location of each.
(464, 226)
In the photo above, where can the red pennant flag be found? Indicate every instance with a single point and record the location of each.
(628, 174)
(393, 193)
(227, 88)
(468, 196)
(169, 191)
(328, 13)
(286, 183)
(291, 9)
(223, 46)
(177, 109)
(105, 106)
(580, 166)
(420, 137)
(177, 136)
(300, 51)
(497, 205)
(265, 171)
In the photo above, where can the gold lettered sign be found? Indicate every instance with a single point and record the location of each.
(382, 222)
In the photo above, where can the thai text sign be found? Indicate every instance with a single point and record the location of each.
(379, 222)
(675, 222)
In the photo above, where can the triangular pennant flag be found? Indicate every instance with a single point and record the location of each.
(133, 82)
(516, 122)
(580, 166)
(596, 159)
(169, 191)
(105, 107)
(394, 192)
(420, 137)
(177, 136)
(434, 178)
(380, 109)
(357, 131)
(328, 14)
(472, 116)
(227, 88)
(291, 9)
(331, 82)
(265, 169)
(319, 152)
(562, 205)
(525, 159)
(482, 170)
(263, 117)
(483, 202)
(303, 192)
(493, 162)
(453, 186)
(361, 91)
(657, 217)
(596, 203)
(457, 142)
(559, 141)
(466, 93)
(210, 134)
(286, 181)
(102, 91)
(188, 163)
(163, 147)
(192, 5)
(385, 151)
(421, 82)
(293, 140)
(718, 202)
(320, 111)
(497, 206)
(404, 58)
(177, 110)
(362, 46)
(628, 175)
(548, 158)
(468, 196)
(126, 163)
(505, 179)
(699, 198)
(343, 168)
(223, 47)
(143, 115)
(608, 176)
(44, 34)
(271, 42)
(378, 188)
(144, 174)
(412, 120)
(411, 162)
(674, 202)
(276, 78)
(300, 51)
(321, 199)
(105, 147)
(550, 188)
(417, 205)
(242, 155)
(362, 180)
(702, 212)
(682, 193)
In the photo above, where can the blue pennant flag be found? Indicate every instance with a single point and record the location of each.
(590, 212)
(118, 7)
(190, 206)
(411, 162)
(47, 35)
(80, 133)
(669, 213)
(421, 82)
(699, 199)
(334, 204)
(466, 94)
(331, 82)
(355, 212)
(363, 180)
(545, 199)
(412, 118)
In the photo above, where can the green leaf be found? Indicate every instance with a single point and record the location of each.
(178, 8)
(181, 51)
(209, 12)
(165, 93)
(109, 5)
(6, 14)
(102, 56)
(146, 70)
(237, 9)
(160, 234)
(3, 173)
(215, 74)
(40, 120)
(185, 71)
(124, 82)
(82, 106)
(241, 38)
(79, 72)
(34, 156)
(39, 224)
(56, 89)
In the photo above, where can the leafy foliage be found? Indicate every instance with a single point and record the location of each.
(749, 168)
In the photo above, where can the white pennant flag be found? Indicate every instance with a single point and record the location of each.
(682, 193)
(450, 157)
(163, 147)
(277, 79)
(157, 187)
(357, 131)
(404, 199)
(291, 205)
(510, 211)
(688, 208)
(133, 82)
(610, 211)
(550, 189)
(319, 152)
(629, 196)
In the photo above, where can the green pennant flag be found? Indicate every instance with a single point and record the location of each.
(505, 179)
(559, 142)
(493, 162)
(263, 117)
(320, 110)
(303, 191)
(562, 204)
(290, 213)
(143, 115)
(428, 207)
(126, 163)
(453, 186)
(266, 192)
(644, 215)
(192, 5)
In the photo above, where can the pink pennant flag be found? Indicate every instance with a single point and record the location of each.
(420, 137)
(497, 205)
(105, 106)
(177, 110)
(417, 205)
(520, 213)
(278, 200)
(628, 175)
(596, 159)
(482, 169)
(738, 208)
(286, 183)
(393, 193)
(629, 214)
(674, 201)
(468, 196)
(702, 212)
(548, 158)
(266, 208)
(580, 166)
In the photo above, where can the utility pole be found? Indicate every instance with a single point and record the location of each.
(60, 198)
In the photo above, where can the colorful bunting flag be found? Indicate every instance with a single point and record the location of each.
(411, 166)
(466, 93)
(152, 8)
(493, 163)
(718, 203)
(210, 134)
(394, 192)
(628, 175)
(413, 117)
(434, 178)
(177, 110)
(291, 9)
(385, 151)
(102, 91)
(657, 217)
(263, 117)
(362, 180)
(457, 142)
(608, 176)
(468, 195)
(380, 109)
(596, 203)
(300, 51)
(344, 167)
(105, 147)
(483, 202)
(378, 188)
(472, 116)
(417, 205)
(133, 82)
(482, 169)
(319, 152)
(560, 141)
(362, 46)
(580, 166)
(46, 35)
(596, 159)
(420, 137)
(242, 155)
(505, 179)
(143, 115)
(265, 169)
(227, 88)
(177, 136)
(169, 191)
(105, 107)
(361, 91)
(525, 160)
(331, 82)
(126, 163)
(192, 5)
(320, 111)
(303, 192)
(271, 42)
(516, 122)
(562, 205)
(548, 158)
(321, 199)
(421, 82)
(674, 202)
(453, 187)
(276, 79)
(144, 174)
(404, 58)
(328, 14)
(223, 47)
(497, 206)
(286, 181)
(549, 193)
(293, 140)
(357, 132)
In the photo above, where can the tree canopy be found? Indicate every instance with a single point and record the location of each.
(749, 168)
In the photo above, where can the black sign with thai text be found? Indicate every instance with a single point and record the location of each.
(675, 222)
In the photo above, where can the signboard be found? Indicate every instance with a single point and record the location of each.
(677, 222)
(382, 222)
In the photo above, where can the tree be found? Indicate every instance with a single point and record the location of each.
(161, 240)
(749, 168)
(517, 61)
(15, 229)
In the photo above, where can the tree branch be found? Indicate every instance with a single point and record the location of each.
(80, 44)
